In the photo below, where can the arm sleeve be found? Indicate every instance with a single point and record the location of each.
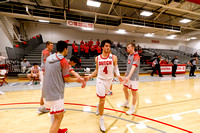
(65, 68)
(172, 61)
(136, 60)
(45, 55)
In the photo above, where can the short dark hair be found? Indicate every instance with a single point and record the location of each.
(74, 59)
(35, 64)
(194, 56)
(105, 41)
(61, 45)
(48, 43)
(132, 44)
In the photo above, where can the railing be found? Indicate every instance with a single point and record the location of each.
(13, 66)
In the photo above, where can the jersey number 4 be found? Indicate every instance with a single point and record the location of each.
(105, 70)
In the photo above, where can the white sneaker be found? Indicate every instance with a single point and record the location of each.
(2, 93)
(97, 111)
(130, 111)
(42, 110)
(102, 125)
(30, 83)
(126, 105)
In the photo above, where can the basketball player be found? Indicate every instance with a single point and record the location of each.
(45, 53)
(56, 74)
(106, 63)
(131, 80)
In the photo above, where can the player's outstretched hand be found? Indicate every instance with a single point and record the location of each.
(121, 80)
(83, 84)
(126, 79)
(80, 80)
(86, 78)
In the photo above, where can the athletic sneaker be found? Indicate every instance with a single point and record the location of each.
(126, 105)
(62, 130)
(97, 111)
(2, 93)
(30, 83)
(130, 111)
(42, 110)
(110, 93)
(102, 126)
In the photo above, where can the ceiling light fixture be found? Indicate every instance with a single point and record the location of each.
(149, 35)
(121, 31)
(171, 36)
(146, 13)
(93, 3)
(185, 21)
(193, 38)
(44, 21)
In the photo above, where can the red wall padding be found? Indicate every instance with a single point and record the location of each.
(194, 1)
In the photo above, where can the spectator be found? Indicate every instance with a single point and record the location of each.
(35, 72)
(112, 45)
(86, 52)
(75, 50)
(118, 45)
(73, 61)
(78, 64)
(97, 42)
(25, 66)
(73, 44)
(98, 50)
(82, 42)
(90, 43)
(96, 46)
(92, 49)
(195, 55)
(82, 49)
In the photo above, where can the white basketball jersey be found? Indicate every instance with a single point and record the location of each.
(105, 67)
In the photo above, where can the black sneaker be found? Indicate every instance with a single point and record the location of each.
(160, 76)
(194, 75)
(173, 76)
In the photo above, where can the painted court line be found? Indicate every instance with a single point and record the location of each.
(150, 119)
(167, 116)
(89, 112)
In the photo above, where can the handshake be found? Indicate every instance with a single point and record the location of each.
(84, 80)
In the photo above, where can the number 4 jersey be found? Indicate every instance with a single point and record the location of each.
(105, 67)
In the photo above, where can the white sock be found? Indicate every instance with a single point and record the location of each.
(132, 107)
(126, 101)
(52, 118)
(42, 106)
(101, 117)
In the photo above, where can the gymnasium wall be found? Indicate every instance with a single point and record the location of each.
(193, 44)
(54, 33)
(5, 42)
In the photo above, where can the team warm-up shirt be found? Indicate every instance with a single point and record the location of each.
(45, 54)
(133, 59)
(56, 68)
(175, 61)
(105, 67)
(25, 64)
(193, 61)
(35, 70)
